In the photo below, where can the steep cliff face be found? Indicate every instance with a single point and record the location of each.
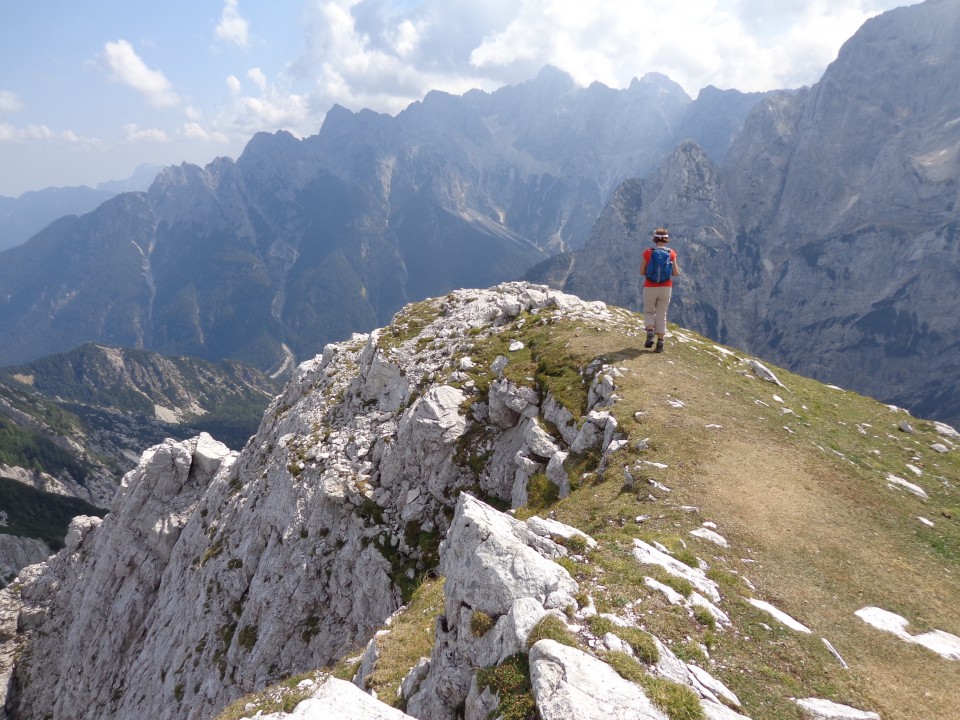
(827, 238)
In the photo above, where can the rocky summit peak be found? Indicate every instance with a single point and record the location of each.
(501, 503)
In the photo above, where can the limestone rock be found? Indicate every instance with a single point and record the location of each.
(496, 565)
(545, 527)
(342, 700)
(568, 683)
(818, 709)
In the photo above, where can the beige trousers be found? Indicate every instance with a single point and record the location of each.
(656, 300)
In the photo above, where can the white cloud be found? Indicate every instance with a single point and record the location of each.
(136, 134)
(233, 28)
(269, 107)
(258, 78)
(9, 102)
(194, 131)
(361, 55)
(128, 68)
(405, 39)
(42, 133)
(383, 54)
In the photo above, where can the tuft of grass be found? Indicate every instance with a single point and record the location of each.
(689, 651)
(283, 697)
(704, 617)
(626, 666)
(577, 544)
(641, 642)
(552, 628)
(678, 701)
(541, 492)
(510, 681)
(600, 626)
(481, 623)
(681, 585)
(687, 558)
(409, 323)
(410, 638)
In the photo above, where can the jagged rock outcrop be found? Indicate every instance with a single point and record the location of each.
(72, 424)
(494, 565)
(170, 607)
(832, 219)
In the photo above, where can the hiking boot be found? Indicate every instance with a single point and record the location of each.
(649, 343)
(659, 347)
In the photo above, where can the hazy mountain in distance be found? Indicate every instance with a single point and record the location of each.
(24, 216)
(301, 242)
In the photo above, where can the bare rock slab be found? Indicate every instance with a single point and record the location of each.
(569, 683)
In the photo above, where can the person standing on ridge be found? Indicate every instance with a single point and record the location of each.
(658, 268)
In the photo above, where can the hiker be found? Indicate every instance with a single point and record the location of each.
(658, 268)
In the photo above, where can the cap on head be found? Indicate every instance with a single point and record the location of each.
(661, 235)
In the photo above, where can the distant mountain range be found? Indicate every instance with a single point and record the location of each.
(301, 242)
(818, 226)
(24, 216)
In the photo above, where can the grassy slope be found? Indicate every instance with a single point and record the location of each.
(803, 501)
(805, 498)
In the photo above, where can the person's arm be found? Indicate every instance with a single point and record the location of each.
(676, 265)
(643, 267)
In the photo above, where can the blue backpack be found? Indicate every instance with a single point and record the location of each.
(660, 267)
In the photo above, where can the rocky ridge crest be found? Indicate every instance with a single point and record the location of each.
(336, 506)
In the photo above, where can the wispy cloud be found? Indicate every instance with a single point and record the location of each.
(233, 28)
(9, 102)
(42, 133)
(136, 134)
(195, 131)
(129, 69)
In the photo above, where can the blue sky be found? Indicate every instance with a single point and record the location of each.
(90, 90)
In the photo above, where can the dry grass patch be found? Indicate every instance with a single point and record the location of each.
(411, 637)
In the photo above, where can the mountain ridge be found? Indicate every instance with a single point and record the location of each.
(24, 216)
(301, 242)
